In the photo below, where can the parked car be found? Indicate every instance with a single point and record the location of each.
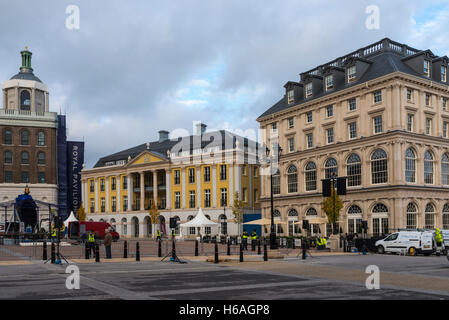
(420, 242)
(79, 230)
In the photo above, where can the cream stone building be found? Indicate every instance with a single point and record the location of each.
(378, 116)
(180, 175)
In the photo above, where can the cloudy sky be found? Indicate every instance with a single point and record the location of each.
(136, 67)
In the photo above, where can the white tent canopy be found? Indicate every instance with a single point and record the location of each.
(71, 218)
(199, 221)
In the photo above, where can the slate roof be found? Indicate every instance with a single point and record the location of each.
(383, 62)
(26, 76)
(160, 148)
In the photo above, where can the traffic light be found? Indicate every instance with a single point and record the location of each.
(58, 222)
(341, 186)
(305, 224)
(327, 188)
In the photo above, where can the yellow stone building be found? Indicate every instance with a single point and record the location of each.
(204, 170)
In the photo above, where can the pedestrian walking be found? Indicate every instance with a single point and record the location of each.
(107, 243)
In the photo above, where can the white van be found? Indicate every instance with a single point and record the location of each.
(401, 241)
(445, 234)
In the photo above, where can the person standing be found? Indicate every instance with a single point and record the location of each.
(245, 240)
(91, 242)
(107, 243)
(438, 240)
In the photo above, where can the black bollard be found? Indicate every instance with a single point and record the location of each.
(241, 253)
(303, 251)
(173, 250)
(125, 250)
(229, 248)
(265, 253)
(258, 247)
(137, 252)
(196, 248)
(53, 256)
(159, 249)
(97, 253)
(86, 251)
(216, 253)
(44, 250)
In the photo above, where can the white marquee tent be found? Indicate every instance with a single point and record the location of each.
(200, 221)
(71, 218)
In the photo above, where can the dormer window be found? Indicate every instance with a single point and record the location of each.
(443, 73)
(309, 91)
(427, 68)
(291, 96)
(329, 81)
(351, 74)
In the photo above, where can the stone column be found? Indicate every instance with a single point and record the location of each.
(155, 187)
(107, 194)
(198, 186)
(33, 100)
(231, 185)
(16, 90)
(97, 200)
(142, 191)
(238, 181)
(130, 191)
(168, 189)
(183, 183)
(47, 102)
(119, 199)
(5, 104)
(214, 194)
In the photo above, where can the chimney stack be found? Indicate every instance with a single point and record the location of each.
(163, 135)
(200, 128)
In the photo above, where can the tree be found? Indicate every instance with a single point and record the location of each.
(237, 210)
(332, 206)
(154, 214)
(81, 214)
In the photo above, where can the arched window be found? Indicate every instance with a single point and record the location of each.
(25, 100)
(8, 157)
(24, 138)
(310, 176)
(124, 227)
(40, 139)
(293, 227)
(292, 176)
(411, 216)
(355, 210)
(41, 158)
(380, 219)
(354, 170)
(445, 169)
(25, 158)
(446, 216)
(429, 218)
(276, 214)
(354, 219)
(311, 212)
(428, 168)
(331, 166)
(379, 167)
(410, 166)
(8, 137)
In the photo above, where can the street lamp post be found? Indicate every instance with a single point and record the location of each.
(273, 242)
